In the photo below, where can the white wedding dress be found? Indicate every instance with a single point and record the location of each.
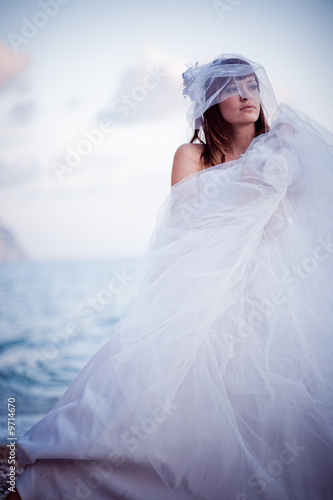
(219, 385)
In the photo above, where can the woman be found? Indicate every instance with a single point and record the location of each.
(219, 383)
(230, 125)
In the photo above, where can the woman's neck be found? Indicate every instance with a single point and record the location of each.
(240, 140)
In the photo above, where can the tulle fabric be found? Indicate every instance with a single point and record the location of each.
(219, 384)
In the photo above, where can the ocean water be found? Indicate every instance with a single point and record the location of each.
(53, 318)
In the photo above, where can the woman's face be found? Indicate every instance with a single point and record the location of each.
(241, 101)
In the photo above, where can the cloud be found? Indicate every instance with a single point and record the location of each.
(11, 64)
(18, 172)
(146, 92)
(73, 103)
(22, 112)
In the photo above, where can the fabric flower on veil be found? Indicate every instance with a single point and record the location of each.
(193, 91)
(188, 78)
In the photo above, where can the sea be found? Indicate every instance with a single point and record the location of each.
(54, 316)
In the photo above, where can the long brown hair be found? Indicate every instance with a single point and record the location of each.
(215, 129)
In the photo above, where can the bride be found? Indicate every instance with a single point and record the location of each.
(219, 383)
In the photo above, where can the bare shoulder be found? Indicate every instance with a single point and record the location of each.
(186, 161)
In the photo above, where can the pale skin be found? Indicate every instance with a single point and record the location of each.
(240, 113)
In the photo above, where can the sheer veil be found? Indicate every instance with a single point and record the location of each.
(210, 84)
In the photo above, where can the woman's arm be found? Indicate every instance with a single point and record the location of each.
(186, 162)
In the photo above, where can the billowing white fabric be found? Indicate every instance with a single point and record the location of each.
(219, 384)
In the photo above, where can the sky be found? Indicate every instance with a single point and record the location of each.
(91, 106)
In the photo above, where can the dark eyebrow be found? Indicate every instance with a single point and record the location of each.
(247, 77)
